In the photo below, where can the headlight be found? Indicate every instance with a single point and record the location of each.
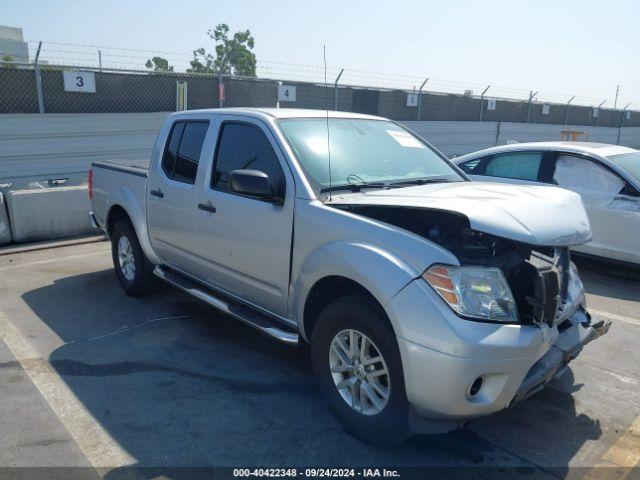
(475, 292)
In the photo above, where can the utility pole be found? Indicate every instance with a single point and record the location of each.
(531, 96)
(615, 103)
(420, 96)
(335, 90)
(36, 69)
(482, 100)
(566, 110)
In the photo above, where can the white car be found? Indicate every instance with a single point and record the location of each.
(606, 176)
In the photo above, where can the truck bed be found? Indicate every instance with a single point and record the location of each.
(120, 183)
(134, 167)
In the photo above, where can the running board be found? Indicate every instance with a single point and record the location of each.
(247, 315)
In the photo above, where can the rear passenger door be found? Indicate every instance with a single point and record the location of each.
(245, 242)
(172, 194)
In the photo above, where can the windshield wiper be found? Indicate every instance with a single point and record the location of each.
(417, 181)
(354, 187)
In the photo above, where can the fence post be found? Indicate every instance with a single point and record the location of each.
(482, 100)
(498, 133)
(420, 97)
(624, 111)
(531, 95)
(36, 69)
(335, 91)
(599, 112)
(221, 92)
(566, 110)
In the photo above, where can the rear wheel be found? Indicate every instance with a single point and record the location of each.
(134, 271)
(357, 363)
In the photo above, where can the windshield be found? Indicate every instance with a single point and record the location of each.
(630, 162)
(362, 151)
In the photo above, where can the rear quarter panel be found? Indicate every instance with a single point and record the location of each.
(113, 188)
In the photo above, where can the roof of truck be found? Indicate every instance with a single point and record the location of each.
(287, 113)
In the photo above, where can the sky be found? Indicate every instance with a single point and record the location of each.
(559, 48)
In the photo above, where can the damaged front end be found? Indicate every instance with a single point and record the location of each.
(544, 283)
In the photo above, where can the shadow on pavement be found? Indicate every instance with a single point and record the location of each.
(608, 279)
(178, 385)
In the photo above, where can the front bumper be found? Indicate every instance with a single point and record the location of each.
(446, 355)
(568, 346)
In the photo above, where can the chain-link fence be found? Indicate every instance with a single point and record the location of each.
(29, 88)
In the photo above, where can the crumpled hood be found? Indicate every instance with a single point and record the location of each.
(537, 215)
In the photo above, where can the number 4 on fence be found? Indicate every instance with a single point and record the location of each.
(286, 93)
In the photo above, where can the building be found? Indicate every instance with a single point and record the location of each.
(12, 45)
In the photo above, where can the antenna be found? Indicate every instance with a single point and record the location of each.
(326, 106)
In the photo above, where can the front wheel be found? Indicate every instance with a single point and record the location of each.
(134, 271)
(357, 363)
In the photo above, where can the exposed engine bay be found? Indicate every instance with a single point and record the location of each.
(537, 276)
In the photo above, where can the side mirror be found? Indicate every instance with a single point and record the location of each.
(252, 183)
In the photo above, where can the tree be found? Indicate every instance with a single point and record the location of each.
(8, 61)
(159, 64)
(233, 55)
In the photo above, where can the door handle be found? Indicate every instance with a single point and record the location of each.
(157, 193)
(207, 208)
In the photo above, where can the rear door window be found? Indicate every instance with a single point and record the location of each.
(182, 154)
(171, 152)
(596, 184)
(519, 166)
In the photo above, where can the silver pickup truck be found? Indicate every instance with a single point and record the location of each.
(427, 299)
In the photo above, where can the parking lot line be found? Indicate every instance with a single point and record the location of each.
(51, 260)
(621, 458)
(97, 445)
(615, 317)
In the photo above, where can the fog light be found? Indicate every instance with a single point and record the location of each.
(475, 387)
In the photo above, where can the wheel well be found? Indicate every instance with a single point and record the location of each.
(326, 291)
(116, 214)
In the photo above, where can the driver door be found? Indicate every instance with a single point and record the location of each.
(244, 243)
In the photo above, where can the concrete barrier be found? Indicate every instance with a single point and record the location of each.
(5, 229)
(48, 213)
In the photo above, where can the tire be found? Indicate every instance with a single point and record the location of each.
(139, 280)
(387, 422)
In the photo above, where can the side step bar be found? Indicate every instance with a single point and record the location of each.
(246, 315)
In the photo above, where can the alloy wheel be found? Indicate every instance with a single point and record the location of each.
(126, 258)
(359, 372)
